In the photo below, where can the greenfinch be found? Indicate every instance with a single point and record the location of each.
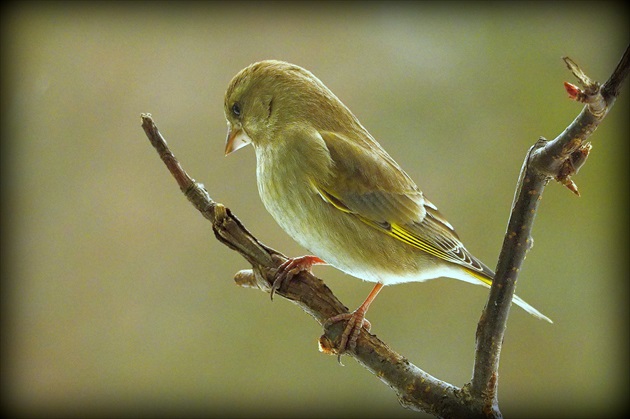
(336, 191)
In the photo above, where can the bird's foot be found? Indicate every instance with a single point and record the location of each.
(356, 320)
(292, 267)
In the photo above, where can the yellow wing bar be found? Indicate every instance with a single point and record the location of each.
(393, 230)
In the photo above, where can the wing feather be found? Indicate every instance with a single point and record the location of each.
(370, 185)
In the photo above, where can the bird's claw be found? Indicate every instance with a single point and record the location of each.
(356, 320)
(290, 268)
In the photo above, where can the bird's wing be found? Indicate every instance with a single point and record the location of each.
(368, 184)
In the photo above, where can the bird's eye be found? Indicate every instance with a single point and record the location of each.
(236, 109)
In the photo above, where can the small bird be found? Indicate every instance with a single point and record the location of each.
(336, 191)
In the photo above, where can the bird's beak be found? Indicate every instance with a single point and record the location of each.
(236, 138)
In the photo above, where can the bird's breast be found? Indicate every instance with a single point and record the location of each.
(341, 239)
(285, 188)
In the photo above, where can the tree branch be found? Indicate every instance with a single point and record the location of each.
(416, 389)
(557, 159)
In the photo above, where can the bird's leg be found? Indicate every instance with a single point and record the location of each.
(292, 267)
(356, 320)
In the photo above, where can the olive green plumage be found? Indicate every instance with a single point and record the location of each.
(334, 189)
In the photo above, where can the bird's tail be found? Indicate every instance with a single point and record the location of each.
(531, 310)
(515, 299)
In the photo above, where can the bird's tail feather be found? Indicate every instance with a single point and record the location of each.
(515, 299)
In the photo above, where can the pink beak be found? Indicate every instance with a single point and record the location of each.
(236, 138)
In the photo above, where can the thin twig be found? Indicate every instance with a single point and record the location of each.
(557, 159)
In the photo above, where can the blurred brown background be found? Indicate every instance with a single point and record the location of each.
(117, 297)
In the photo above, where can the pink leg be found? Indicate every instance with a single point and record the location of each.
(356, 320)
(292, 267)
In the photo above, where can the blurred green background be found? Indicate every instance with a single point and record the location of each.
(116, 297)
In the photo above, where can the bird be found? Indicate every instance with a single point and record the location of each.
(332, 187)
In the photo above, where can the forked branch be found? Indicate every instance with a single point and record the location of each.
(557, 159)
